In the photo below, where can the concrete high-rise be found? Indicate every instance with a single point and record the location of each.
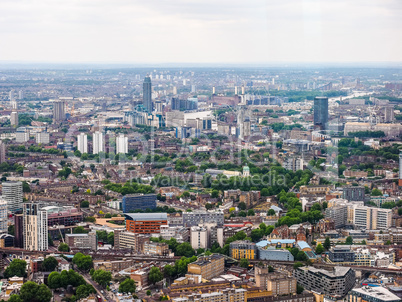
(98, 142)
(147, 94)
(14, 118)
(371, 218)
(3, 216)
(2, 152)
(59, 110)
(82, 143)
(400, 169)
(35, 227)
(321, 112)
(122, 144)
(12, 193)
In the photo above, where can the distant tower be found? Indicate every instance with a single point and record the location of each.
(147, 94)
(400, 169)
(121, 144)
(2, 152)
(213, 90)
(321, 112)
(243, 90)
(14, 118)
(11, 95)
(174, 90)
(82, 143)
(20, 94)
(236, 92)
(59, 113)
(193, 88)
(98, 142)
(12, 193)
(35, 227)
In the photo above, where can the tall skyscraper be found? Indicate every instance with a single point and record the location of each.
(82, 143)
(98, 142)
(147, 94)
(122, 144)
(3, 216)
(11, 95)
(321, 112)
(35, 227)
(12, 193)
(21, 95)
(400, 169)
(59, 111)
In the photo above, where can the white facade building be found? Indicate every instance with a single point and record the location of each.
(98, 142)
(199, 237)
(42, 138)
(3, 216)
(121, 144)
(12, 194)
(82, 143)
(35, 228)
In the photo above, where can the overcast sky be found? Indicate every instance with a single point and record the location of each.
(201, 31)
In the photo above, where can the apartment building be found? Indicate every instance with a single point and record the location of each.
(281, 284)
(208, 267)
(82, 241)
(35, 227)
(372, 218)
(372, 294)
(130, 240)
(225, 295)
(12, 193)
(339, 214)
(199, 237)
(156, 248)
(336, 282)
(243, 249)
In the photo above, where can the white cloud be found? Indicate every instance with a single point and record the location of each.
(200, 31)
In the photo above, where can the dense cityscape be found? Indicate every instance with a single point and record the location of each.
(201, 184)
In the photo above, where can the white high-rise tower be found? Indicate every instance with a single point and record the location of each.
(98, 142)
(121, 144)
(82, 143)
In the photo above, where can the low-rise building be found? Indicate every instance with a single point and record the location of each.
(372, 294)
(243, 249)
(82, 241)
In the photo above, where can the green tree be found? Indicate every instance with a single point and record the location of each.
(327, 243)
(17, 268)
(297, 265)
(102, 277)
(14, 298)
(32, 292)
(90, 219)
(271, 212)
(242, 206)
(79, 230)
(110, 238)
(53, 280)
(155, 275)
(215, 194)
(376, 192)
(149, 292)
(63, 247)
(250, 212)
(84, 204)
(25, 187)
(319, 249)
(349, 240)
(82, 261)
(244, 263)
(299, 289)
(270, 269)
(108, 215)
(49, 264)
(127, 286)
(84, 290)
(185, 250)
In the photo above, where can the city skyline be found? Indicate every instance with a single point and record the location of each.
(207, 32)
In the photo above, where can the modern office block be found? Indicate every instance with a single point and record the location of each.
(336, 282)
(199, 217)
(353, 193)
(132, 202)
(321, 112)
(145, 223)
(371, 218)
(243, 249)
(372, 294)
(341, 254)
(12, 193)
